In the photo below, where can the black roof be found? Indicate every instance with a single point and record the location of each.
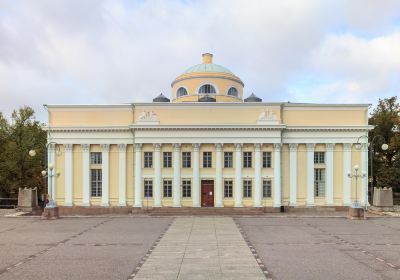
(161, 98)
(252, 98)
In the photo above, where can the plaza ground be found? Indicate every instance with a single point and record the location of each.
(133, 247)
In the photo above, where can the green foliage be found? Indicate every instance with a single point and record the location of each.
(386, 119)
(17, 168)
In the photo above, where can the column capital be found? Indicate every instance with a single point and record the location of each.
(157, 147)
(51, 147)
(196, 147)
(122, 147)
(85, 147)
(177, 147)
(330, 147)
(364, 147)
(278, 146)
(238, 147)
(68, 147)
(293, 147)
(257, 147)
(218, 147)
(310, 147)
(105, 147)
(138, 146)
(347, 147)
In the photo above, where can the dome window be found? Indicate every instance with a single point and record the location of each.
(207, 89)
(181, 92)
(233, 92)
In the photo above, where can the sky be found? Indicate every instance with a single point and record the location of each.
(124, 51)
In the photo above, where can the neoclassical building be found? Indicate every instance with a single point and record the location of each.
(207, 146)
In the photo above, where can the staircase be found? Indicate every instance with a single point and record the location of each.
(202, 211)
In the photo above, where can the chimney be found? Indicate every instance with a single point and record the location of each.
(207, 58)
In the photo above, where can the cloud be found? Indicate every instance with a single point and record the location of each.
(130, 51)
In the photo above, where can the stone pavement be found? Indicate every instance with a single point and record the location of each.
(201, 248)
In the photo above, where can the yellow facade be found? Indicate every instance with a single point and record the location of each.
(291, 133)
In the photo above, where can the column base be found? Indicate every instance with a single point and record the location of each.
(238, 205)
(86, 204)
(50, 213)
(219, 206)
(157, 206)
(138, 206)
(310, 204)
(122, 204)
(177, 205)
(293, 204)
(68, 205)
(105, 205)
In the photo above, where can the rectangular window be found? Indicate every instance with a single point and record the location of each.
(247, 159)
(319, 182)
(186, 188)
(319, 157)
(167, 188)
(267, 188)
(95, 158)
(167, 159)
(266, 159)
(247, 188)
(207, 159)
(95, 182)
(148, 188)
(186, 160)
(148, 159)
(228, 159)
(228, 188)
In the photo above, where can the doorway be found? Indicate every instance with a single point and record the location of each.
(207, 193)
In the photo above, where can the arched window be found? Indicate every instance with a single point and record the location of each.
(233, 92)
(181, 92)
(207, 89)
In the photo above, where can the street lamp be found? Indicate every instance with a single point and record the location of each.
(384, 147)
(50, 173)
(356, 176)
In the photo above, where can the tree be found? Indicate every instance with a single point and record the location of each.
(17, 168)
(386, 119)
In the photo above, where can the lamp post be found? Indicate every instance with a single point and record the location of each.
(384, 147)
(356, 175)
(49, 172)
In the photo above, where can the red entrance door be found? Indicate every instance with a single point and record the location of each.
(207, 193)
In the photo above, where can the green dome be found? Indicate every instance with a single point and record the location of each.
(208, 67)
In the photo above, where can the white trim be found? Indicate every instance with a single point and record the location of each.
(105, 175)
(86, 174)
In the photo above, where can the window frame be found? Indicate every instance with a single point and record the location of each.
(147, 159)
(267, 159)
(267, 188)
(247, 159)
(96, 157)
(247, 188)
(186, 159)
(228, 188)
(167, 159)
(207, 159)
(96, 185)
(319, 157)
(234, 95)
(147, 188)
(228, 160)
(186, 188)
(180, 95)
(319, 183)
(167, 188)
(207, 85)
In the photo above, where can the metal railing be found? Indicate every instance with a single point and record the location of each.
(8, 203)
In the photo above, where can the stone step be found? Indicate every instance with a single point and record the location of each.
(169, 211)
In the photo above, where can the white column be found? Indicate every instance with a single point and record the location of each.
(86, 174)
(177, 175)
(293, 174)
(52, 180)
(68, 174)
(257, 176)
(105, 175)
(238, 173)
(277, 176)
(310, 174)
(122, 174)
(364, 169)
(157, 175)
(196, 176)
(138, 175)
(346, 168)
(218, 175)
(329, 173)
